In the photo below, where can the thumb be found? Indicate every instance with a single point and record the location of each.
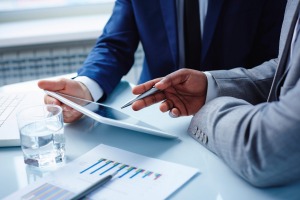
(53, 85)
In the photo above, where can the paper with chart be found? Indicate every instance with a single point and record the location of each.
(138, 177)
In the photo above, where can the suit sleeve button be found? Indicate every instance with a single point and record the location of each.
(205, 138)
(201, 135)
(195, 129)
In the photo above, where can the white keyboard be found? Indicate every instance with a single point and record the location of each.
(8, 103)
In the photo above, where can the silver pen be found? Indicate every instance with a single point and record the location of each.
(141, 96)
(94, 187)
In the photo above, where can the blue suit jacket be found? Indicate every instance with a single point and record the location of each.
(236, 33)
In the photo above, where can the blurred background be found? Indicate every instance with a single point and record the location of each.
(45, 38)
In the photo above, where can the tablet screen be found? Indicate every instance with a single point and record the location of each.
(106, 111)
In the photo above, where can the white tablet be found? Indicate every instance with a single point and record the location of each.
(108, 115)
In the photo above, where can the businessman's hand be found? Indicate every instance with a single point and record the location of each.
(66, 86)
(183, 92)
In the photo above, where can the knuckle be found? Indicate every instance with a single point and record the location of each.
(153, 99)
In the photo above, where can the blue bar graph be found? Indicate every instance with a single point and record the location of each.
(107, 163)
(129, 170)
(102, 159)
(137, 172)
(104, 166)
(148, 173)
(116, 164)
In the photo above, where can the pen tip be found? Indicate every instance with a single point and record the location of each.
(126, 105)
(115, 173)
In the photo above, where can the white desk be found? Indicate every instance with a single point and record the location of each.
(216, 180)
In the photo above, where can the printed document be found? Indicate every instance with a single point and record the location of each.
(138, 177)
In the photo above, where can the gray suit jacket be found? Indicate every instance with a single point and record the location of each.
(254, 126)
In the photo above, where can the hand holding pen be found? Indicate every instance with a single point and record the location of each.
(182, 93)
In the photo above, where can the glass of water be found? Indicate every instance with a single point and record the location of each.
(41, 130)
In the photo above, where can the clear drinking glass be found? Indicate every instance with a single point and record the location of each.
(41, 130)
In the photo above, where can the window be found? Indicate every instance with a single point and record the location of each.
(20, 10)
(13, 5)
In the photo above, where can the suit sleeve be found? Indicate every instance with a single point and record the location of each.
(113, 55)
(259, 142)
(252, 85)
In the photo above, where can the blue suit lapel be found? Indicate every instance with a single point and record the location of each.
(168, 8)
(213, 12)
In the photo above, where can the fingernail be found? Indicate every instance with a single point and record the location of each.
(65, 108)
(172, 115)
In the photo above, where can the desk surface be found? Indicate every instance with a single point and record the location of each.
(216, 180)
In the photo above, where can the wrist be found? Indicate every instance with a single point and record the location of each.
(86, 92)
(211, 87)
(92, 86)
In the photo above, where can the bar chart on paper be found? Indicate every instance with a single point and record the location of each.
(47, 191)
(105, 166)
(138, 177)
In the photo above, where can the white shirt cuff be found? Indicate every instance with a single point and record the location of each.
(95, 90)
(212, 87)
